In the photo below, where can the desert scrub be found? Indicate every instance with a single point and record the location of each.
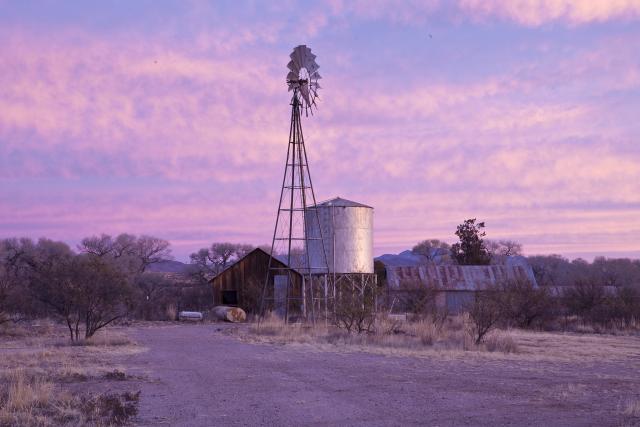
(631, 409)
(29, 400)
(424, 334)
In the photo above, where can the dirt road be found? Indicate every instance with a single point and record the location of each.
(201, 377)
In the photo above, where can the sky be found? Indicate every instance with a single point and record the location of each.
(171, 118)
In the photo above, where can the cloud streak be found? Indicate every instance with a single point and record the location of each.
(186, 138)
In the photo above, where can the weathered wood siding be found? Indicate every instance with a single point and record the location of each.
(249, 271)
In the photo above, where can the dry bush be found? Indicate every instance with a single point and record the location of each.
(522, 304)
(484, 315)
(12, 330)
(569, 391)
(429, 333)
(416, 298)
(355, 309)
(112, 408)
(29, 400)
(273, 326)
(499, 342)
(172, 312)
(631, 408)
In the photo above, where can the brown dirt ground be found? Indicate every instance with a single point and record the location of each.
(198, 375)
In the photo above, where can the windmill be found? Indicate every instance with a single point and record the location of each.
(292, 283)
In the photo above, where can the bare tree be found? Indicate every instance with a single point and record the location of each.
(244, 249)
(15, 262)
(484, 315)
(132, 252)
(150, 289)
(97, 245)
(355, 309)
(616, 271)
(417, 298)
(208, 262)
(433, 250)
(552, 270)
(521, 303)
(500, 249)
(87, 291)
(221, 253)
(150, 250)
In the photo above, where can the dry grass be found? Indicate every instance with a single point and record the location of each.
(105, 339)
(570, 391)
(172, 312)
(451, 339)
(31, 401)
(631, 409)
(423, 335)
(501, 342)
(39, 369)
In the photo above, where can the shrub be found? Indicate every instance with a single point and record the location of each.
(501, 343)
(522, 304)
(416, 298)
(484, 314)
(172, 312)
(586, 299)
(355, 309)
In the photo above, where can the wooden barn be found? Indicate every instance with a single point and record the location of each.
(241, 283)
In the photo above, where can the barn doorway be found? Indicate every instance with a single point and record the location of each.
(229, 297)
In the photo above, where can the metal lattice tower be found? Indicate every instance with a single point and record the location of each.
(293, 286)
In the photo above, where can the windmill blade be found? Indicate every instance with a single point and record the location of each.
(295, 58)
(304, 91)
(299, 56)
(312, 67)
(315, 96)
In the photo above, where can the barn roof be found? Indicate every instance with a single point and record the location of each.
(250, 253)
(457, 277)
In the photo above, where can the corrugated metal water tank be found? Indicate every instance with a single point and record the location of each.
(347, 232)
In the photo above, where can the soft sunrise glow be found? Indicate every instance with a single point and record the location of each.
(171, 119)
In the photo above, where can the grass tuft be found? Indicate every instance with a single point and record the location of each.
(631, 408)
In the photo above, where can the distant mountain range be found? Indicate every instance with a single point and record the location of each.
(404, 258)
(168, 267)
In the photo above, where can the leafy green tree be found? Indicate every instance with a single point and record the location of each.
(471, 249)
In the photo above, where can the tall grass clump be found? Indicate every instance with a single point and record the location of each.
(30, 401)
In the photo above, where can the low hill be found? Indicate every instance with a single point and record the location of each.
(168, 267)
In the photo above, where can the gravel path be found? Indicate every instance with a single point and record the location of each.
(201, 377)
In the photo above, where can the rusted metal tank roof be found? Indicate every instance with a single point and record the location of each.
(343, 203)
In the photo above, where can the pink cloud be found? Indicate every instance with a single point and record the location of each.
(538, 12)
(504, 148)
